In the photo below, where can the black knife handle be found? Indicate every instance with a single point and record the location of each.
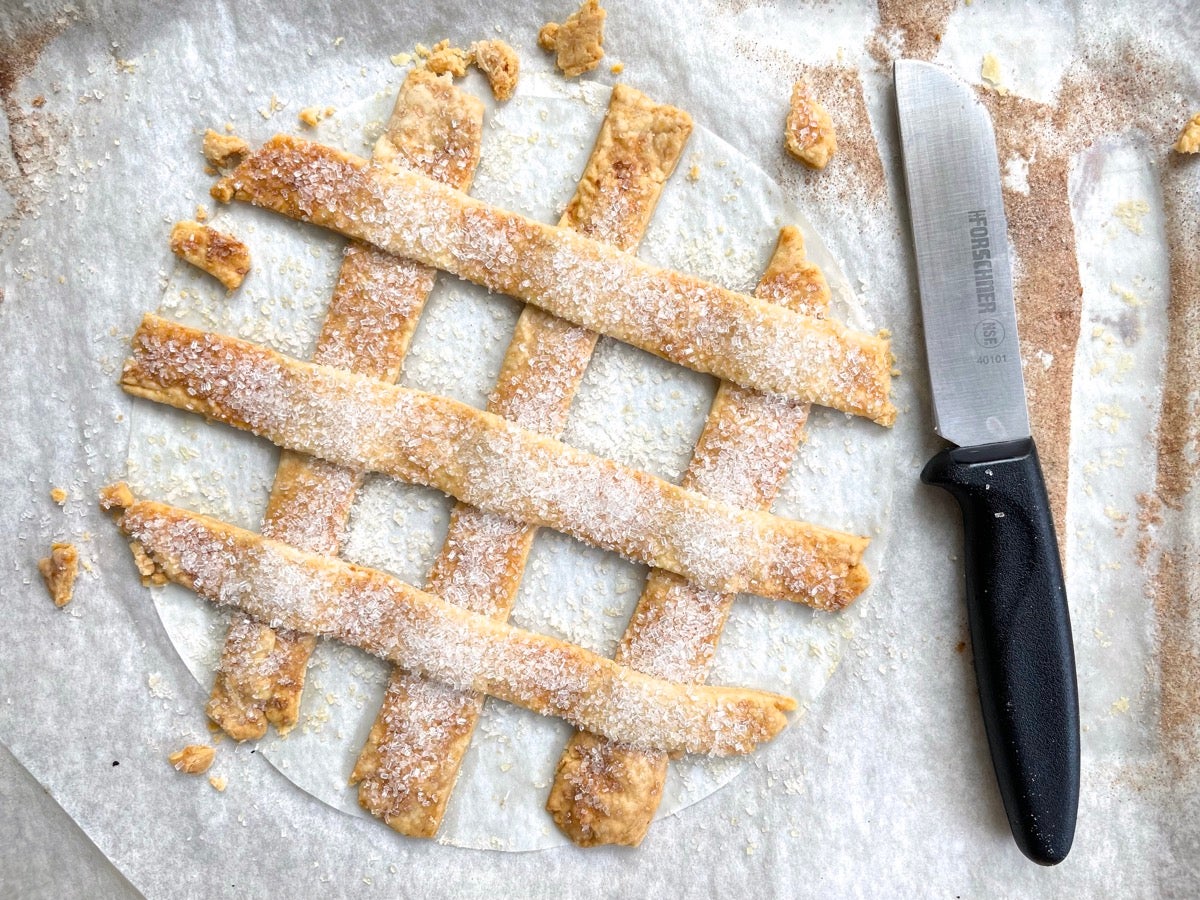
(1021, 637)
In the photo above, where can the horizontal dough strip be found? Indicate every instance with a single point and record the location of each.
(371, 610)
(489, 462)
(679, 317)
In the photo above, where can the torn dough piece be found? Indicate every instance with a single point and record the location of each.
(311, 116)
(59, 570)
(443, 58)
(577, 41)
(194, 759)
(1189, 138)
(809, 129)
(224, 257)
(223, 150)
(989, 71)
(500, 65)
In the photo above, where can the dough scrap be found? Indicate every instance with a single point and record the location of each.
(194, 759)
(444, 59)
(577, 42)
(220, 255)
(500, 65)
(1189, 138)
(59, 571)
(809, 129)
(223, 150)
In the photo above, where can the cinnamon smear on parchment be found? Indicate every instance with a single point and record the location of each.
(30, 128)
(917, 25)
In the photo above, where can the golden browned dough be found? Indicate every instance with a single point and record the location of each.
(809, 129)
(194, 759)
(312, 116)
(604, 793)
(679, 317)
(223, 150)
(444, 59)
(410, 763)
(1189, 138)
(577, 42)
(220, 255)
(377, 300)
(59, 571)
(500, 65)
(365, 608)
(484, 459)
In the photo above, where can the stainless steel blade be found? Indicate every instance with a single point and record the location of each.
(963, 266)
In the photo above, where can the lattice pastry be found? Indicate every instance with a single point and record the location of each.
(339, 416)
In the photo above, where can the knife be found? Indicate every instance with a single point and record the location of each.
(1016, 600)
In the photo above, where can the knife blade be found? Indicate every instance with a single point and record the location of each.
(1016, 600)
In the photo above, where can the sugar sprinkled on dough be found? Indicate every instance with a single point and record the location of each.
(488, 462)
(674, 315)
(373, 611)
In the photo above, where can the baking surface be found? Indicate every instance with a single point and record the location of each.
(885, 786)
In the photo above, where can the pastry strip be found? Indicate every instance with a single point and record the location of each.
(377, 300)
(606, 793)
(676, 316)
(487, 461)
(410, 763)
(371, 610)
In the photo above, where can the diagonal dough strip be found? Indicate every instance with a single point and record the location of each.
(606, 793)
(365, 608)
(487, 461)
(678, 317)
(410, 763)
(434, 129)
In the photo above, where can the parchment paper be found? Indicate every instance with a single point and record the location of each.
(883, 789)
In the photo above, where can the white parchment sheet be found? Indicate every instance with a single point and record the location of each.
(883, 787)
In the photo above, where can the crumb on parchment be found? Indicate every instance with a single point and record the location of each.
(577, 42)
(194, 759)
(311, 116)
(224, 257)
(444, 58)
(1130, 214)
(58, 495)
(989, 71)
(809, 129)
(500, 65)
(218, 782)
(59, 571)
(116, 496)
(1189, 138)
(223, 150)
